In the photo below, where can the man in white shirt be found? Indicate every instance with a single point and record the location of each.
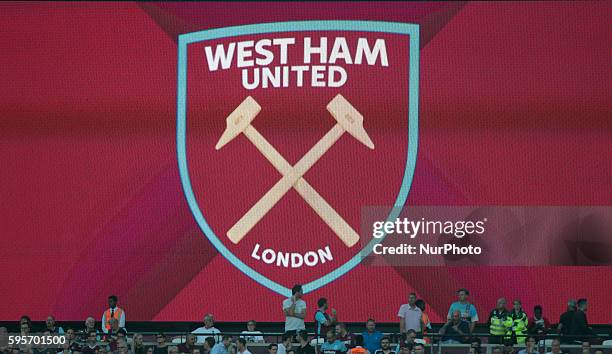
(241, 346)
(286, 345)
(410, 315)
(295, 311)
(251, 335)
(209, 329)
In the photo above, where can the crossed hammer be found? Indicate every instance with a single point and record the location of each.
(348, 119)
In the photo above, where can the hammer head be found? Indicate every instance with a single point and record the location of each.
(350, 119)
(239, 120)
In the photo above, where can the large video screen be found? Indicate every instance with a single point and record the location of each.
(197, 158)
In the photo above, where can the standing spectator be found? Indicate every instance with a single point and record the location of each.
(555, 347)
(466, 309)
(332, 345)
(456, 330)
(208, 329)
(324, 322)
(425, 322)
(343, 335)
(497, 322)
(241, 346)
(286, 343)
(410, 315)
(113, 311)
(385, 346)
(580, 326)
(304, 347)
(371, 337)
(566, 320)
(516, 324)
(161, 346)
(251, 335)
(223, 346)
(530, 346)
(189, 344)
(138, 344)
(52, 327)
(295, 310)
(538, 324)
(358, 349)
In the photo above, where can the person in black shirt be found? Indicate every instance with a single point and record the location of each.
(304, 347)
(385, 346)
(580, 325)
(566, 320)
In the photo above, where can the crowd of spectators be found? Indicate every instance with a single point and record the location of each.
(507, 328)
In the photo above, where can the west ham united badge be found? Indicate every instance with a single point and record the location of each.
(285, 131)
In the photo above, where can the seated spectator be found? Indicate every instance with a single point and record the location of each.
(90, 325)
(138, 344)
(222, 347)
(476, 342)
(358, 348)
(332, 345)
(456, 330)
(371, 337)
(241, 346)
(498, 350)
(555, 347)
(530, 346)
(173, 350)
(208, 330)
(343, 335)
(122, 347)
(25, 319)
(251, 335)
(304, 347)
(272, 348)
(286, 343)
(112, 338)
(189, 344)
(407, 340)
(538, 324)
(385, 346)
(585, 348)
(91, 345)
(473, 350)
(150, 350)
(161, 346)
(209, 343)
(103, 350)
(52, 327)
(419, 348)
(599, 351)
(509, 347)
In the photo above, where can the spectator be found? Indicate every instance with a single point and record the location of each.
(304, 347)
(90, 325)
(91, 345)
(410, 315)
(25, 319)
(71, 345)
(189, 344)
(343, 335)
(196, 350)
(580, 326)
(241, 346)
(173, 350)
(295, 310)
(272, 348)
(150, 350)
(466, 309)
(425, 322)
(566, 320)
(555, 347)
(538, 325)
(385, 346)
(497, 322)
(516, 324)
(208, 330)
(498, 350)
(138, 344)
(476, 342)
(407, 340)
(209, 343)
(52, 327)
(3, 339)
(358, 348)
(161, 346)
(286, 343)
(324, 322)
(25, 328)
(332, 345)
(456, 330)
(599, 351)
(371, 337)
(251, 335)
(419, 348)
(473, 350)
(113, 311)
(585, 347)
(530, 346)
(509, 347)
(122, 347)
(223, 346)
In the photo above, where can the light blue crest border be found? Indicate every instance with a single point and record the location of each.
(412, 30)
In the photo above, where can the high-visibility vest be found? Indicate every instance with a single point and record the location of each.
(107, 316)
(498, 325)
(516, 325)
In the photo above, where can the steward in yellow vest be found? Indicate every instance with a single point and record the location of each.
(516, 324)
(497, 322)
